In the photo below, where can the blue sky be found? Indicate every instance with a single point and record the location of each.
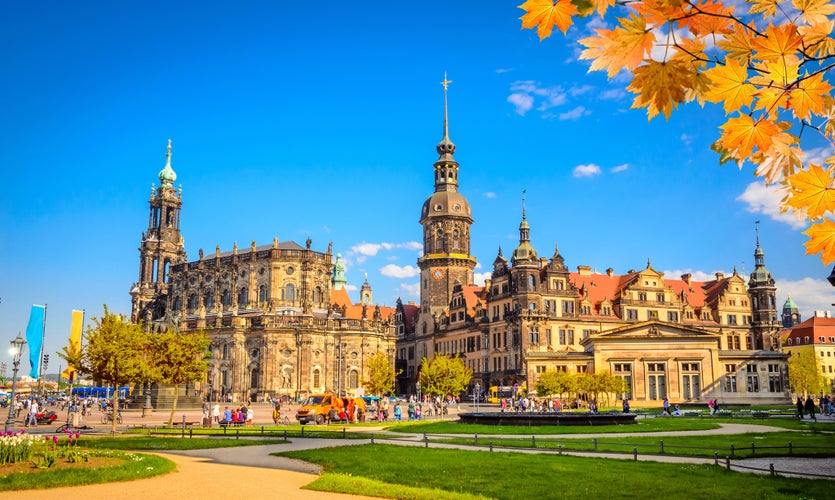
(295, 120)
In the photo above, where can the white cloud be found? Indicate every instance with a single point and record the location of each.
(412, 290)
(395, 271)
(686, 139)
(411, 245)
(504, 70)
(586, 170)
(583, 89)
(478, 278)
(818, 155)
(522, 102)
(575, 113)
(371, 249)
(694, 275)
(809, 294)
(351, 288)
(489, 194)
(613, 94)
(366, 248)
(762, 199)
(620, 168)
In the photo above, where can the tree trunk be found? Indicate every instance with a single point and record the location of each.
(174, 404)
(115, 410)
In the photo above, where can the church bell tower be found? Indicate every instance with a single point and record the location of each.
(161, 247)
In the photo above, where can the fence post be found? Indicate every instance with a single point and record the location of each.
(302, 431)
(262, 430)
(559, 447)
(752, 449)
(426, 440)
(372, 438)
(728, 463)
(595, 444)
(771, 469)
(190, 432)
(662, 446)
(476, 438)
(732, 449)
(344, 436)
(285, 434)
(715, 458)
(238, 433)
(183, 432)
(790, 447)
(635, 452)
(533, 441)
(491, 445)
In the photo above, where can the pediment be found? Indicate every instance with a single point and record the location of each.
(653, 330)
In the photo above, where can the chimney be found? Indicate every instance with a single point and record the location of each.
(720, 276)
(610, 272)
(686, 278)
(543, 262)
(584, 270)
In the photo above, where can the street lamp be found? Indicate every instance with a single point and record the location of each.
(417, 388)
(15, 351)
(477, 393)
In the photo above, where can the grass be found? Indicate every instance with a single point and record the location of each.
(381, 470)
(767, 444)
(274, 432)
(643, 425)
(147, 443)
(135, 466)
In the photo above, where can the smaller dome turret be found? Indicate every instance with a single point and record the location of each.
(167, 176)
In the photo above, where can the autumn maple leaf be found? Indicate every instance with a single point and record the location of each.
(730, 85)
(660, 86)
(816, 38)
(622, 47)
(822, 240)
(545, 14)
(709, 18)
(778, 42)
(737, 44)
(809, 96)
(814, 11)
(741, 134)
(811, 191)
(768, 8)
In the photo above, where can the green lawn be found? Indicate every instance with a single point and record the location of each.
(399, 472)
(135, 466)
(765, 444)
(642, 425)
(149, 443)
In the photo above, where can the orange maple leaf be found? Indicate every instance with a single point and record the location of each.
(781, 159)
(741, 134)
(768, 8)
(778, 42)
(810, 95)
(622, 47)
(810, 191)
(814, 11)
(658, 12)
(709, 18)
(660, 86)
(545, 14)
(816, 38)
(822, 240)
(737, 44)
(729, 85)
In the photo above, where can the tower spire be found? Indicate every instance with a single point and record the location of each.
(523, 203)
(446, 83)
(446, 148)
(167, 176)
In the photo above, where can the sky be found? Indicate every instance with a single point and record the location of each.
(297, 120)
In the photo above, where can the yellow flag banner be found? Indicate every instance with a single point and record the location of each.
(76, 327)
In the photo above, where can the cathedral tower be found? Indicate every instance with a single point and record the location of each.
(763, 293)
(161, 247)
(446, 218)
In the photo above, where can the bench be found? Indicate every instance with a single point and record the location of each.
(224, 423)
(186, 424)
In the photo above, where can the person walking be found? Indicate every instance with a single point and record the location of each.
(800, 407)
(810, 407)
(33, 414)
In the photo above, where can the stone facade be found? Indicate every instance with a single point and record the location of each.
(278, 316)
(686, 340)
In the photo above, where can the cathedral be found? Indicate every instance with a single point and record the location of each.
(279, 318)
(681, 339)
(281, 322)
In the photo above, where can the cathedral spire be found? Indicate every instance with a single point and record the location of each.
(167, 176)
(446, 147)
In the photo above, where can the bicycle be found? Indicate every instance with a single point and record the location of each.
(107, 417)
(281, 420)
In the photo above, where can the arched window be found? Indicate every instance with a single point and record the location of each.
(264, 293)
(531, 282)
(289, 292)
(317, 295)
(243, 297)
(209, 299)
(192, 302)
(455, 244)
(226, 298)
(353, 379)
(317, 376)
(178, 304)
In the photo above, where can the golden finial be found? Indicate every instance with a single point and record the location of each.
(169, 145)
(446, 82)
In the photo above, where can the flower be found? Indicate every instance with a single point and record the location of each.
(55, 439)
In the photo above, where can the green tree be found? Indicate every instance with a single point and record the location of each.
(444, 375)
(556, 382)
(114, 354)
(381, 375)
(804, 373)
(179, 358)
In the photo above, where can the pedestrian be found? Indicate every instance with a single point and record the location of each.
(810, 407)
(710, 405)
(666, 410)
(626, 406)
(33, 414)
(216, 412)
(799, 407)
(397, 412)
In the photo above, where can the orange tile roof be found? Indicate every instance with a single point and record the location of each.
(814, 328)
(410, 312)
(355, 312)
(472, 294)
(340, 297)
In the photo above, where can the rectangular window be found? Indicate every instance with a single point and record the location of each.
(672, 316)
(657, 381)
(623, 371)
(570, 337)
(659, 297)
(652, 314)
(642, 296)
(730, 383)
(562, 337)
(775, 383)
(732, 319)
(568, 307)
(632, 314)
(753, 382)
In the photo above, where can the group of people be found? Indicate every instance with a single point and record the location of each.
(234, 416)
(809, 408)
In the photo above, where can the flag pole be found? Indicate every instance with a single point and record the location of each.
(43, 341)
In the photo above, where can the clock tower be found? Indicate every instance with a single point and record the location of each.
(446, 218)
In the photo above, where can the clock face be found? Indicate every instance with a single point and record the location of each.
(438, 274)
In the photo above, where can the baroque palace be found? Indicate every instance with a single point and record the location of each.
(281, 322)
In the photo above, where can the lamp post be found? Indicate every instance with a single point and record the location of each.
(477, 394)
(15, 351)
(417, 388)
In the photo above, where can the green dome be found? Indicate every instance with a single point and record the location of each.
(167, 176)
(789, 303)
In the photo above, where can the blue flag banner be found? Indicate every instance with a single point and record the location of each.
(34, 337)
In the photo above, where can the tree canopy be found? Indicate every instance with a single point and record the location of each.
(804, 373)
(381, 375)
(443, 376)
(767, 67)
(178, 358)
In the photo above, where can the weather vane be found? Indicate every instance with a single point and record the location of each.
(446, 82)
